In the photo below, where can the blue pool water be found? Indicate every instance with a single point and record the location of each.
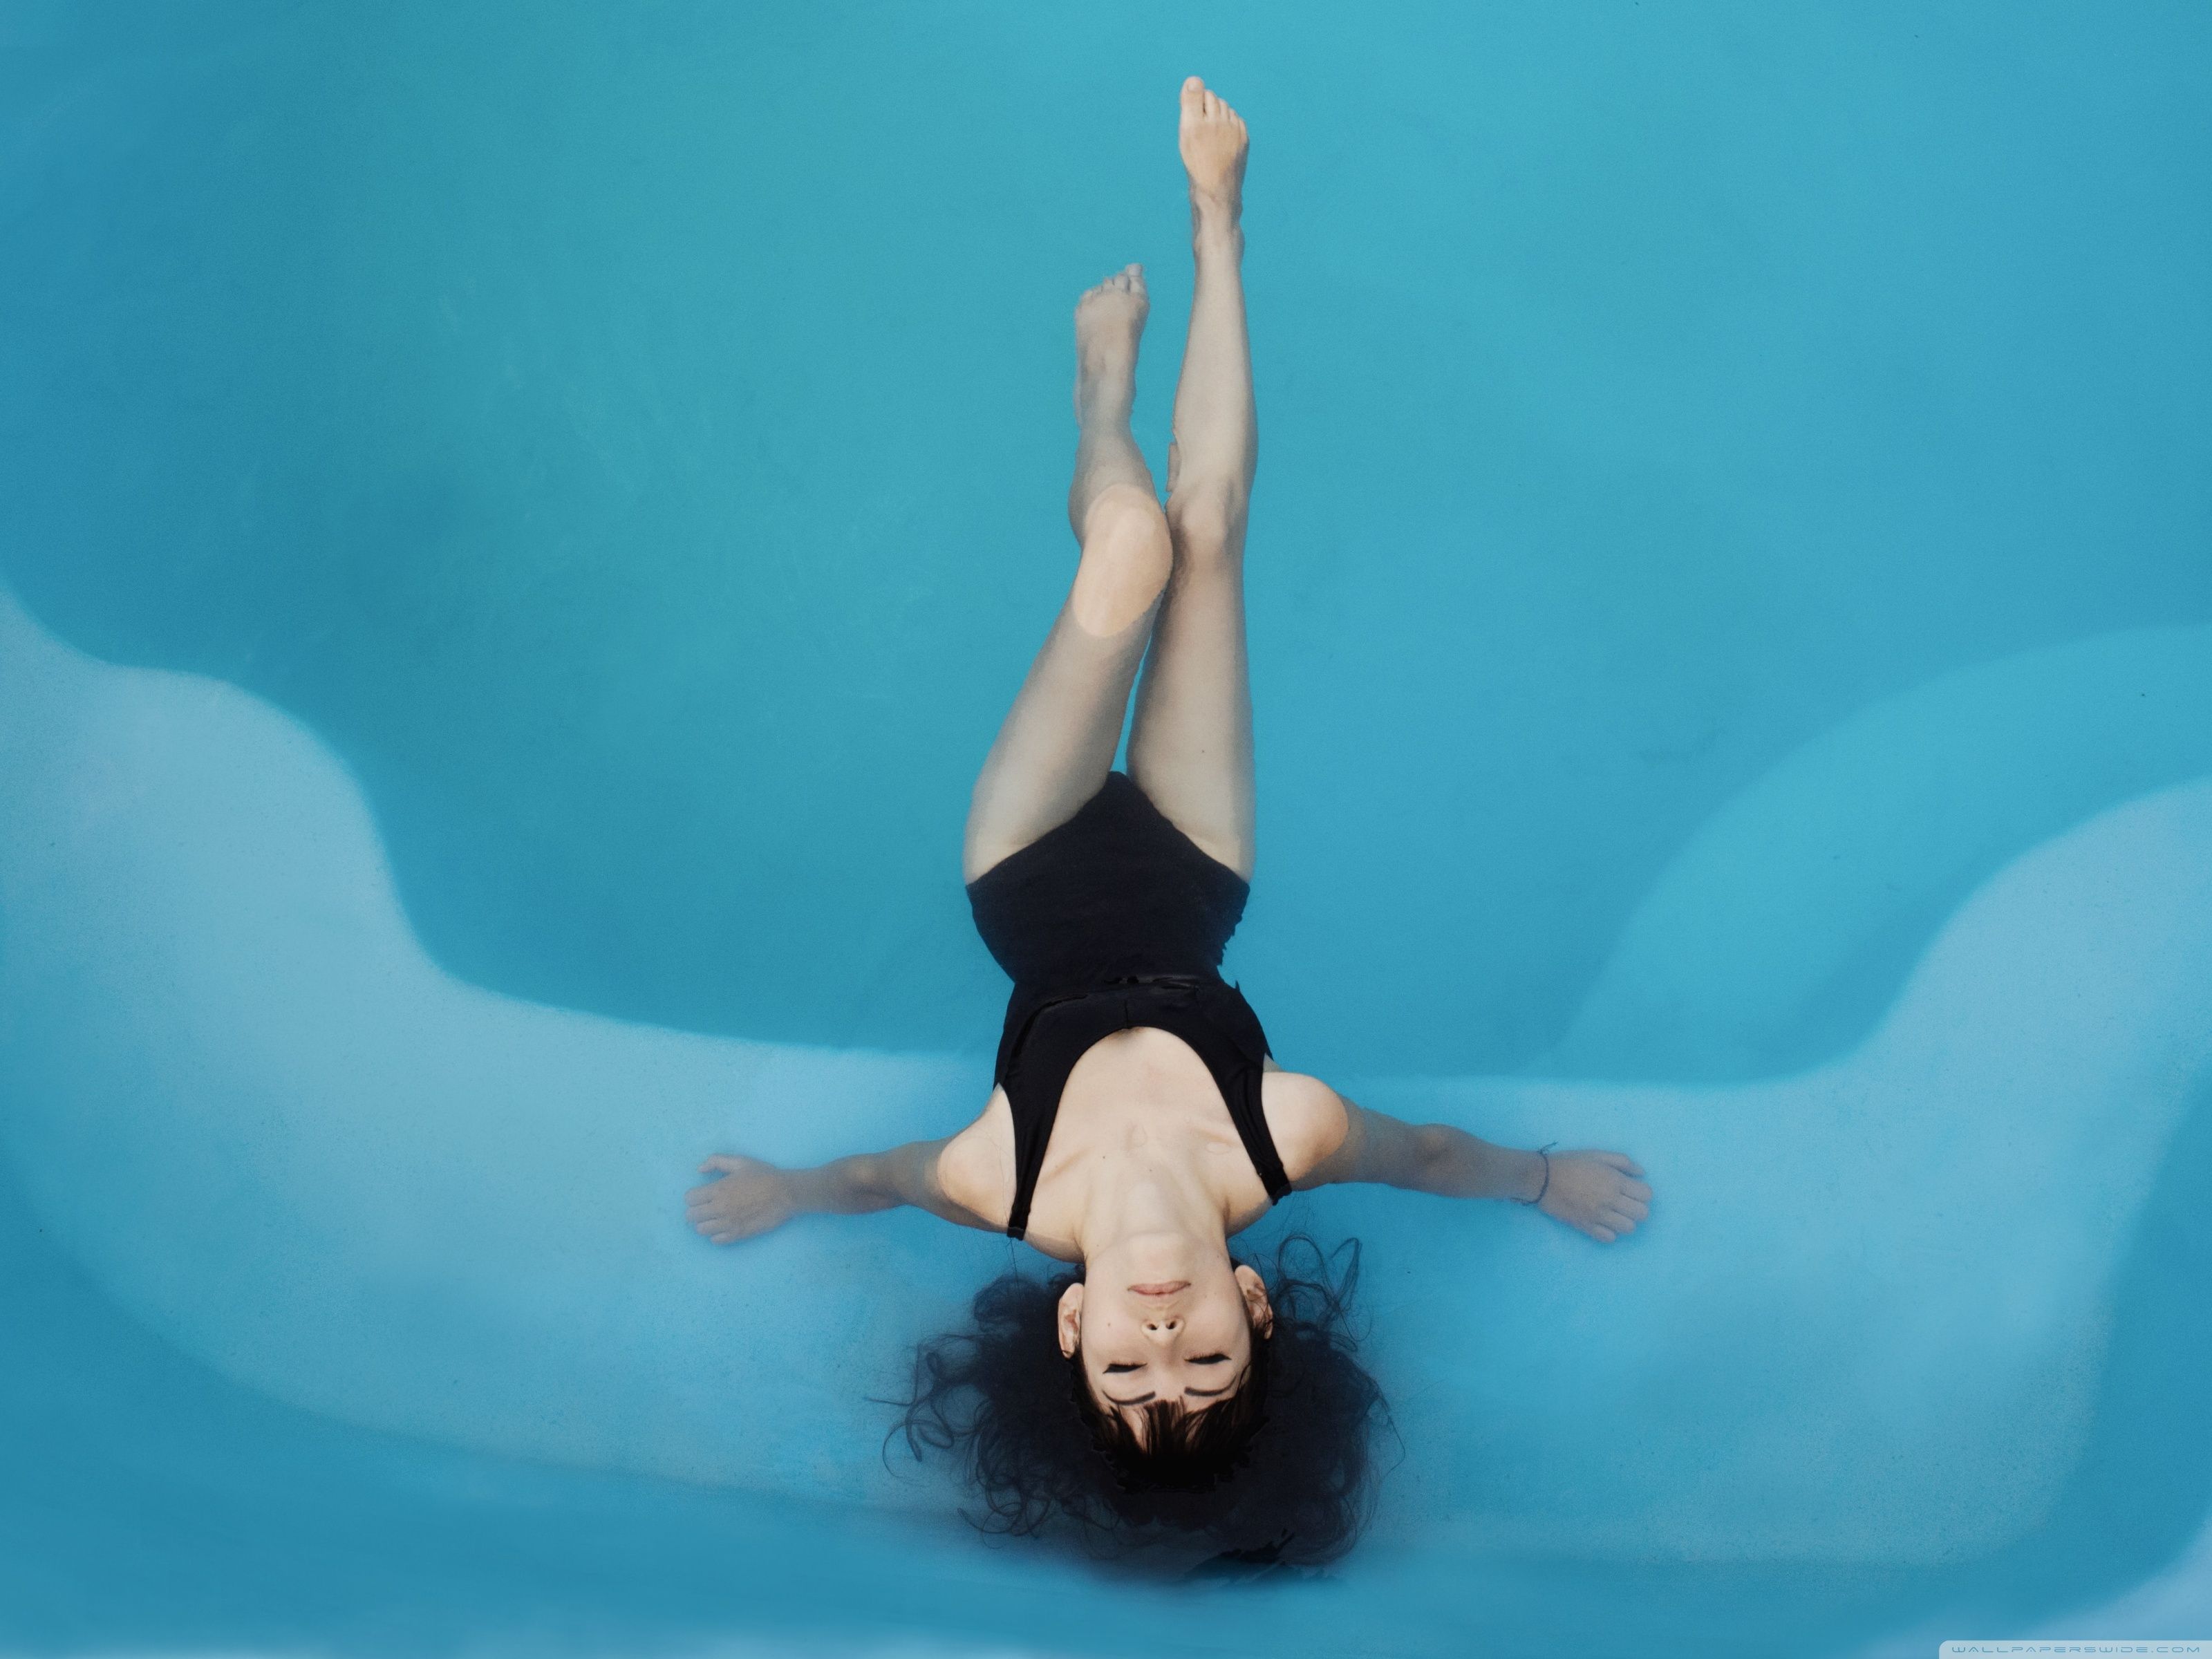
(517, 524)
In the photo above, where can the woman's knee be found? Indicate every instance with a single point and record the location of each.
(1206, 520)
(1128, 556)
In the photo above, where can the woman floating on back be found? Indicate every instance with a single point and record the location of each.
(1137, 1118)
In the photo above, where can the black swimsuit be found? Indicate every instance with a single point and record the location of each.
(1113, 919)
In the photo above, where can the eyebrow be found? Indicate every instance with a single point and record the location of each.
(1145, 1398)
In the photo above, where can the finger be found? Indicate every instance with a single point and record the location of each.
(1638, 1190)
(1632, 1209)
(1603, 1235)
(1620, 1222)
(723, 1162)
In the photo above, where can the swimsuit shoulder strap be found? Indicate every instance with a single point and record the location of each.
(1228, 1037)
(1041, 1047)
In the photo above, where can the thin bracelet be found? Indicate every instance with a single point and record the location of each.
(1543, 1151)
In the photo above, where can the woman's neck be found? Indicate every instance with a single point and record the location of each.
(1135, 1200)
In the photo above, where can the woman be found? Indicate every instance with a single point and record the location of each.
(1137, 1118)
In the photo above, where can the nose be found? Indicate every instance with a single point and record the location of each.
(1162, 1328)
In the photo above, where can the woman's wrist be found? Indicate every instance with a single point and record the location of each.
(1464, 1165)
(1536, 1176)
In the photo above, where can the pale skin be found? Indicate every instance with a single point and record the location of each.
(1144, 1180)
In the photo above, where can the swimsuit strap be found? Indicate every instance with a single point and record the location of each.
(1044, 1043)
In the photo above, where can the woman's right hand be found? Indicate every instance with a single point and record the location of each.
(747, 1199)
(1596, 1193)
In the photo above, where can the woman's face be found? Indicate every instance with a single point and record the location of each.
(1162, 1326)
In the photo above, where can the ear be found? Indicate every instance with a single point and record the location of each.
(1071, 1320)
(1257, 1308)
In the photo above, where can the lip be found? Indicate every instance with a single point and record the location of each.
(1165, 1288)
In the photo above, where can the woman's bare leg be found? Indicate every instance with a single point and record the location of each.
(1058, 742)
(1190, 749)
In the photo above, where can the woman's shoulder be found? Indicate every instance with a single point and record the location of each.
(1306, 1117)
(975, 1167)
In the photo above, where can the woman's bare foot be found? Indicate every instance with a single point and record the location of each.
(1213, 141)
(1109, 321)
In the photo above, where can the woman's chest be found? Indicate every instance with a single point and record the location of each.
(1142, 1101)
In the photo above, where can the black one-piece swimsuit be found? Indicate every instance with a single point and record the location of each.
(1116, 919)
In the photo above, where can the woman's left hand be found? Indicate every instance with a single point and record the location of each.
(1596, 1193)
(750, 1198)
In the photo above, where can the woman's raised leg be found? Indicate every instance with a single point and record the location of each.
(1190, 749)
(1058, 742)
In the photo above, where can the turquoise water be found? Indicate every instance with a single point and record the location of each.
(517, 525)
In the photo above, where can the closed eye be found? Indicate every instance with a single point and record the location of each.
(1122, 1367)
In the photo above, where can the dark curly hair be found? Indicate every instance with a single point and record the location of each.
(1277, 1474)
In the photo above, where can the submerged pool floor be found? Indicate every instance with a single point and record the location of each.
(153, 1506)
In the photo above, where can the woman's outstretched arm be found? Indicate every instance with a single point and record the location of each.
(748, 1197)
(1597, 1192)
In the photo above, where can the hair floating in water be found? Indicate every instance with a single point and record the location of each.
(1277, 1475)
